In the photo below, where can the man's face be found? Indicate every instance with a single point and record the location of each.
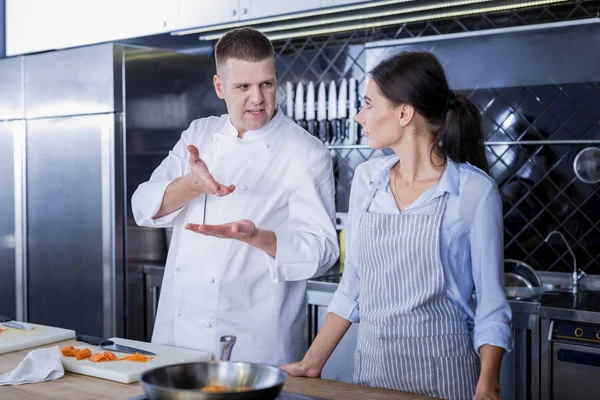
(249, 90)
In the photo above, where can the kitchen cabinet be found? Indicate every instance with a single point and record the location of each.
(251, 9)
(153, 276)
(195, 13)
(41, 25)
(340, 366)
(333, 3)
(143, 292)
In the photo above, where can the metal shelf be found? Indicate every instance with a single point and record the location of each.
(489, 143)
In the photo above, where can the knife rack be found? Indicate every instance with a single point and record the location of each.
(326, 111)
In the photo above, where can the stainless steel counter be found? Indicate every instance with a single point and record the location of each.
(581, 307)
(584, 306)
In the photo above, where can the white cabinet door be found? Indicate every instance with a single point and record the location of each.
(200, 13)
(251, 9)
(111, 20)
(38, 25)
(332, 3)
(29, 26)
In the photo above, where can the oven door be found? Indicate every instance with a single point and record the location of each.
(575, 371)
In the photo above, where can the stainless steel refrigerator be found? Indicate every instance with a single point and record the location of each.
(63, 147)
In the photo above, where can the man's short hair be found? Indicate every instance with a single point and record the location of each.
(245, 44)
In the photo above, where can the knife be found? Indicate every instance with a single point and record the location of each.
(353, 126)
(334, 122)
(299, 111)
(342, 113)
(14, 324)
(110, 345)
(322, 113)
(310, 109)
(289, 99)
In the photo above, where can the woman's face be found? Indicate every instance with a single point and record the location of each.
(379, 118)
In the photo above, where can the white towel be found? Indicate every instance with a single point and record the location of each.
(38, 366)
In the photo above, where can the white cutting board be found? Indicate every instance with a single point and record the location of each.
(16, 339)
(130, 371)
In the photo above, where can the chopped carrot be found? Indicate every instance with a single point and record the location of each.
(66, 351)
(75, 351)
(70, 351)
(136, 357)
(98, 357)
(84, 353)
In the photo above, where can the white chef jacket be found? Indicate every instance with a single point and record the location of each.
(214, 287)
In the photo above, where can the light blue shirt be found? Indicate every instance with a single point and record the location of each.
(471, 244)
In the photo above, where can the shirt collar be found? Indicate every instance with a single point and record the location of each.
(449, 183)
(269, 127)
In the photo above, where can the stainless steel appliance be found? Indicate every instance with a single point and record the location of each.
(575, 360)
(71, 123)
(570, 355)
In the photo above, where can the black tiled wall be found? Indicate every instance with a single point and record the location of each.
(539, 189)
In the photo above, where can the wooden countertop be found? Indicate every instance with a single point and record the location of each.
(83, 387)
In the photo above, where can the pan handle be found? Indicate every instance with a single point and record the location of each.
(225, 347)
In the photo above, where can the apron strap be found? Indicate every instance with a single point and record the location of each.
(441, 204)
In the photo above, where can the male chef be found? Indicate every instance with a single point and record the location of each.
(250, 196)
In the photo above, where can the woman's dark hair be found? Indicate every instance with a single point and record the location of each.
(418, 79)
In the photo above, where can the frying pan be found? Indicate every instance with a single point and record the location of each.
(185, 381)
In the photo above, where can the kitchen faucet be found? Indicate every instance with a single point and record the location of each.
(576, 274)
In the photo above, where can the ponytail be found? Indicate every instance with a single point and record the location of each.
(461, 136)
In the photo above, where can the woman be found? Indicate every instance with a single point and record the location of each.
(425, 228)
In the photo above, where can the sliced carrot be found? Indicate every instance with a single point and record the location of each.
(84, 353)
(75, 351)
(110, 356)
(98, 357)
(137, 357)
(66, 351)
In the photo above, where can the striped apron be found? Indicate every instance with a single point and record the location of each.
(411, 337)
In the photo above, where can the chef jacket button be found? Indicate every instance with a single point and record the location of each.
(179, 313)
(244, 188)
(212, 280)
(209, 324)
(266, 146)
(178, 269)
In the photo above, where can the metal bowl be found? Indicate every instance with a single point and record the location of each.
(524, 271)
(185, 381)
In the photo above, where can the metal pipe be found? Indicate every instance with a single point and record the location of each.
(576, 274)
(493, 143)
